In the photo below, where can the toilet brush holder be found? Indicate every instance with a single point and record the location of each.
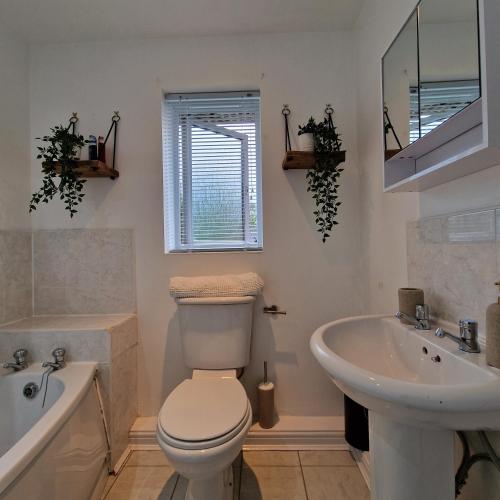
(266, 401)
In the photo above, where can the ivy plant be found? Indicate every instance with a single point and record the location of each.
(323, 180)
(60, 169)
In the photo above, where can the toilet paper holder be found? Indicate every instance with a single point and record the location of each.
(274, 309)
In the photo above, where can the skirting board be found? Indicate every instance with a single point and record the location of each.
(289, 433)
(362, 459)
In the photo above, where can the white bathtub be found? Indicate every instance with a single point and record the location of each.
(56, 452)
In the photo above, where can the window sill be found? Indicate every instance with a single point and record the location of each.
(216, 250)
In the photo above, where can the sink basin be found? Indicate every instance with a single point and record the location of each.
(418, 388)
(381, 363)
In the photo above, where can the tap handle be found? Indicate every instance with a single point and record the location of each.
(422, 311)
(59, 354)
(20, 356)
(468, 329)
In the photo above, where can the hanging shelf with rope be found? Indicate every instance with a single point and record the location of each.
(96, 168)
(304, 160)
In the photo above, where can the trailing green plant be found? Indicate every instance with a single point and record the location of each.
(61, 148)
(323, 180)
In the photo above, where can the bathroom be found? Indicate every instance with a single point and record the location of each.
(98, 284)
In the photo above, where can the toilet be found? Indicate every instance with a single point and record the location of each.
(204, 421)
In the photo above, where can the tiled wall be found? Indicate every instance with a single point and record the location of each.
(84, 271)
(15, 275)
(455, 259)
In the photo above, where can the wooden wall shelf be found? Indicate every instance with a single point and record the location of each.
(299, 160)
(93, 168)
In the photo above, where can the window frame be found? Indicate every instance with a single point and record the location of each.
(172, 178)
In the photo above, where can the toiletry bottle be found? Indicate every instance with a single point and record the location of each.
(101, 149)
(92, 147)
(493, 333)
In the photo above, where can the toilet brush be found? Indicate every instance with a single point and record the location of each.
(266, 401)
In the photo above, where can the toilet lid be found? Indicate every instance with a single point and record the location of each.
(203, 409)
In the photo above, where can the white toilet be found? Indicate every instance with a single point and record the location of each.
(204, 421)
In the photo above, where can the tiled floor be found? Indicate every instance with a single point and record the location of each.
(258, 475)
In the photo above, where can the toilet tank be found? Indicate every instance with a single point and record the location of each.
(216, 331)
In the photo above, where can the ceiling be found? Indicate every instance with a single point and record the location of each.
(59, 21)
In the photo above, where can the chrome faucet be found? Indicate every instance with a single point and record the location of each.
(59, 361)
(20, 361)
(421, 320)
(467, 341)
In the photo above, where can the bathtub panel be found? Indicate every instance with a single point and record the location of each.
(71, 464)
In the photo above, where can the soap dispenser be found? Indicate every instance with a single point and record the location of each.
(493, 333)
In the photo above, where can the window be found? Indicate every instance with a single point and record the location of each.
(212, 175)
(438, 102)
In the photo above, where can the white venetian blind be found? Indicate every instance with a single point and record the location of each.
(212, 184)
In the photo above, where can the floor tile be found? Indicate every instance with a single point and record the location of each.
(326, 458)
(144, 483)
(272, 458)
(147, 458)
(109, 483)
(335, 483)
(272, 483)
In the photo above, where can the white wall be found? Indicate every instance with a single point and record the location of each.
(384, 216)
(314, 282)
(14, 129)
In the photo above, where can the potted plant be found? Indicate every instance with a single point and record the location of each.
(323, 179)
(306, 135)
(59, 155)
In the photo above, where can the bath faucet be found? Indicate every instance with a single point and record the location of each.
(20, 361)
(58, 362)
(421, 320)
(467, 341)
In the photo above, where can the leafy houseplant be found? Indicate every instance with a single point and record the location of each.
(59, 158)
(323, 179)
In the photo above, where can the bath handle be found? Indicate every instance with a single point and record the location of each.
(59, 362)
(20, 356)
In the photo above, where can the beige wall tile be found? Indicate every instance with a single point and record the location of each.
(321, 457)
(335, 483)
(84, 271)
(15, 275)
(272, 483)
(263, 458)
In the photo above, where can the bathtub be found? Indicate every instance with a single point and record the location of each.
(56, 452)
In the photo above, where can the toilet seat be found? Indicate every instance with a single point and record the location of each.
(203, 413)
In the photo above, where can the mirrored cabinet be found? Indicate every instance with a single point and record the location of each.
(441, 94)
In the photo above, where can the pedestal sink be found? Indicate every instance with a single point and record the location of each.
(419, 389)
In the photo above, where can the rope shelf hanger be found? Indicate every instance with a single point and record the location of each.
(97, 168)
(304, 160)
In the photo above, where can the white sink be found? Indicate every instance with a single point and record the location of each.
(416, 399)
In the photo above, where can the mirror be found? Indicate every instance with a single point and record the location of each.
(431, 71)
(400, 69)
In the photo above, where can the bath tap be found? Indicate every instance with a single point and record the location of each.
(58, 362)
(421, 320)
(20, 361)
(467, 341)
